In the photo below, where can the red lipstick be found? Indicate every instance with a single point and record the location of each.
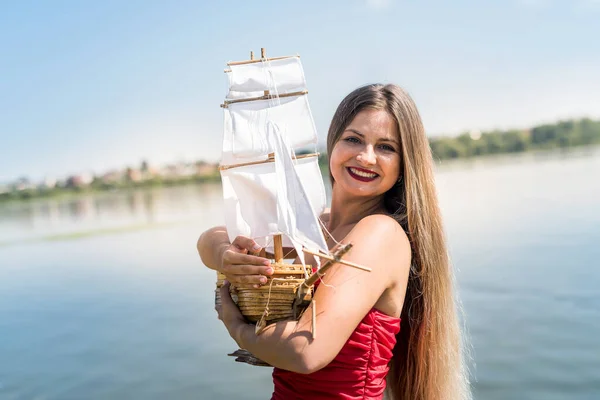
(361, 178)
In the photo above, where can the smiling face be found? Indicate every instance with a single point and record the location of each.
(365, 161)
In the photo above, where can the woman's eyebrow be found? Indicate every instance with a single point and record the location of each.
(354, 131)
(390, 140)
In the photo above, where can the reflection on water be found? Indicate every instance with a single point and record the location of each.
(128, 314)
(97, 211)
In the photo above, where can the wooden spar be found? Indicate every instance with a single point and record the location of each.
(265, 97)
(289, 273)
(278, 244)
(259, 60)
(253, 60)
(225, 167)
(337, 260)
(313, 278)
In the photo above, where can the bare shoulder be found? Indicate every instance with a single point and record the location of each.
(383, 234)
(382, 225)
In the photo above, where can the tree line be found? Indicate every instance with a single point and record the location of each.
(563, 134)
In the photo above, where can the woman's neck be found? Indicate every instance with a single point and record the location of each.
(348, 211)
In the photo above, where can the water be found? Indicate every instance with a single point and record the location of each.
(104, 296)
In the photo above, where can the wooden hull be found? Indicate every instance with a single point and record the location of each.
(275, 300)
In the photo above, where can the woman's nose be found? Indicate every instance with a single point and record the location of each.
(367, 156)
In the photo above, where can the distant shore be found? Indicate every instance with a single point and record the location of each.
(99, 187)
(562, 135)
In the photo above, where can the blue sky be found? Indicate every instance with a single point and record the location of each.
(86, 86)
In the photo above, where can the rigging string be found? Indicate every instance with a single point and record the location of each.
(261, 324)
(325, 230)
(320, 275)
(266, 312)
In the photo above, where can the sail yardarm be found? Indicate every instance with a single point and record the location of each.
(253, 60)
(273, 96)
(268, 160)
(234, 95)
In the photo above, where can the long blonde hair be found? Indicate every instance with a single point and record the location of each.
(428, 361)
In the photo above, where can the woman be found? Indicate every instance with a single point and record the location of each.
(397, 322)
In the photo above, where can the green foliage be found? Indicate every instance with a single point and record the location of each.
(562, 134)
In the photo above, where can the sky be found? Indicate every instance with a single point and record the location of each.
(88, 86)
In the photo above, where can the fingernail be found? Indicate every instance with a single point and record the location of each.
(267, 262)
(256, 247)
(256, 286)
(269, 271)
(263, 280)
(225, 282)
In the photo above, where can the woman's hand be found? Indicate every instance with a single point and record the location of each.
(230, 314)
(243, 269)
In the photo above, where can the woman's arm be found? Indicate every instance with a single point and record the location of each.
(344, 297)
(211, 246)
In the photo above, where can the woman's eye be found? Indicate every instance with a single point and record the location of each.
(352, 139)
(387, 147)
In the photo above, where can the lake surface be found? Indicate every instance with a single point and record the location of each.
(104, 296)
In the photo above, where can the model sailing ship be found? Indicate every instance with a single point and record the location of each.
(271, 194)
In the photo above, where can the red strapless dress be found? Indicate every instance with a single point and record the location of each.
(357, 372)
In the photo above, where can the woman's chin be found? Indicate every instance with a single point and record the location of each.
(359, 189)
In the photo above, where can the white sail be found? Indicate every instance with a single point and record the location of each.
(281, 196)
(285, 74)
(245, 128)
(295, 214)
(251, 197)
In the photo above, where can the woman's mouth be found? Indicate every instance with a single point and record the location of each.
(363, 175)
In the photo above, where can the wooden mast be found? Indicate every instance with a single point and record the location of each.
(278, 245)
